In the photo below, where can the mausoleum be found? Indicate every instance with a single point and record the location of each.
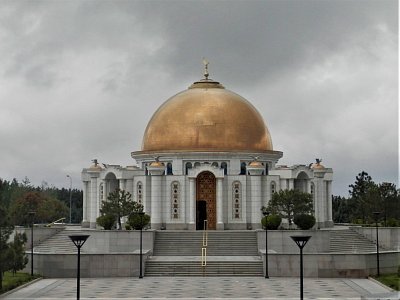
(206, 154)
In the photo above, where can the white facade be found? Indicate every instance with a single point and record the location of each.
(170, 199)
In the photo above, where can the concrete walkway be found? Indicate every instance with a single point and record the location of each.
(204, 287)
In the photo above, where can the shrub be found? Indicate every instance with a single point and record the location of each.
(272, 222)
(304, 221)
(134, 221)
(392, 222)
(106, 221)
(128, 227)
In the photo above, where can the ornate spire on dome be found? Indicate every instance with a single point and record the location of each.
(206, 63)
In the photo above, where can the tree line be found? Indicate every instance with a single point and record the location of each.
(17, 201)
(365, 198)
(48, 202)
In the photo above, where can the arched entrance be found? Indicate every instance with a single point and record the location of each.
(205, 200)
(300, 183)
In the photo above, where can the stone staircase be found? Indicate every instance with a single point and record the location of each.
(58, 243)
(349, 241)
(229, 253)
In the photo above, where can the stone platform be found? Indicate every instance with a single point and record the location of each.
(204, 287)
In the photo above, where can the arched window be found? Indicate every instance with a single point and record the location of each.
(169, 169)
(196, 164)
(273, 188)
(175, 200)
(236, 200)
(225, 167)
(214, 164)
(139, 192)
(243, 168)
(187, 167)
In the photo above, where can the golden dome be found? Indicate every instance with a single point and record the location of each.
(317, 165)
(96, 166)
(156, 164)
(207, 117)
(256, 163)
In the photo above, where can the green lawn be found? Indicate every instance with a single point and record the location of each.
(11, 281)
(390, 280)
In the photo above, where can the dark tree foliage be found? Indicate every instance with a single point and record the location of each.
(46, 209)
(16, 256)
(288, 203)
(304, 221)
(137, 221)
(365, 198)
(119, 204)
(359, 193)
(389, 201)
(106, 221)
(12, 191)
(5, 232)
(272, 222)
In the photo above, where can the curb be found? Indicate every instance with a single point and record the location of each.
(381, 284)
(20, 287)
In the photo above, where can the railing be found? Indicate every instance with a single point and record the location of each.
(204, 247)
(56, 221)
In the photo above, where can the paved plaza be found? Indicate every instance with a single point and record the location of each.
(204, 287)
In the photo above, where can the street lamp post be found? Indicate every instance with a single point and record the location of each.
(376, 214)
(31, 217)
(266, 213)
(141, 214)
(78, 240)
(70, 199)
(301, 241)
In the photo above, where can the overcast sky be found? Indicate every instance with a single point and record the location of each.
(81, 79)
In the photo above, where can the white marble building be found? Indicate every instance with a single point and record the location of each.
(206, 155)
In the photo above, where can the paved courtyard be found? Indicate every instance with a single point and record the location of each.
(204, 287)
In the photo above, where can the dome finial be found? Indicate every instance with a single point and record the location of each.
(205, 62)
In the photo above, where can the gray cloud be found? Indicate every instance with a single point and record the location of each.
(81, 79)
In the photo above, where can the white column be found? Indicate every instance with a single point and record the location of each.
(319, 198)
(122, 185)
(192, 202)
(182, 212)
(329, 199)
(291, 184)
(93, 202)
(255, 188)
(85, 202)
(220, 221)
(156, 200)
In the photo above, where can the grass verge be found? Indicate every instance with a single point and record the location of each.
(390, 280)
(11, 281)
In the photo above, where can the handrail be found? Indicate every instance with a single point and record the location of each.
(52, 223)
(204, 246)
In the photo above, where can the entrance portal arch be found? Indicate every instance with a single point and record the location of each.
(206, 200)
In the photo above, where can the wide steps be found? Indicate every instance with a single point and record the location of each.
(349, 241)
(58, 243)
(229, 253)
(213, 268)
(218, 243)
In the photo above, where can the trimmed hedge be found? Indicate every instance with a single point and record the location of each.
(304, 221)
(106, 221)
(134, 221)
(272, 222)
